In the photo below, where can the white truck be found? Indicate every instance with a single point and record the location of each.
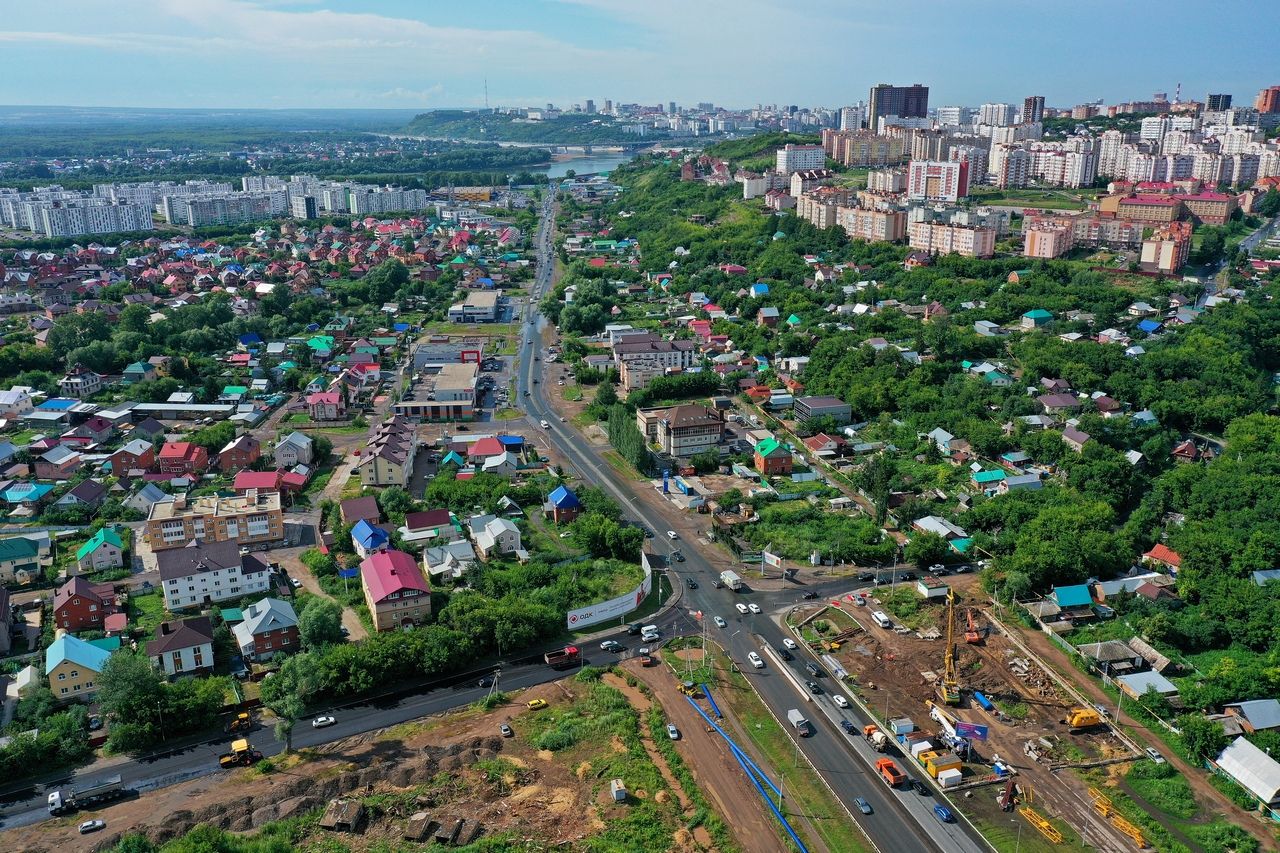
(799, 722)
(731, 580)
(70, 798)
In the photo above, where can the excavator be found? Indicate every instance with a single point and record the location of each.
(949, 687)
(971, 634)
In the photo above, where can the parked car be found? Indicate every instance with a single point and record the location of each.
(720, 623)
(1155, 756)
(863, 805)
(672, 731)
(537, 704)
(506, 730)
(323, 721)
(742, 608)
(756, 660)
(295, 583)
(840, 701)
(753, 607)
(92, 826)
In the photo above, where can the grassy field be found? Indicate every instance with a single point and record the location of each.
(146, 612)
(572, 393)
(1054, 199)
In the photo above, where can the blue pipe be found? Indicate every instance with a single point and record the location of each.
(714, 706)
(737, 750)
(773, 808)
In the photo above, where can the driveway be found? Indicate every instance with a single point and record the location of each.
(290, 562)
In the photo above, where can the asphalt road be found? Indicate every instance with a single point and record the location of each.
(901, 821)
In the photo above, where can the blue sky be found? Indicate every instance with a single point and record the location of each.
(433, 53)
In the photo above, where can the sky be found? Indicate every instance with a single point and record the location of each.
(423, 54)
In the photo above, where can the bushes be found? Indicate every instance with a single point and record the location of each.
(1163, 787)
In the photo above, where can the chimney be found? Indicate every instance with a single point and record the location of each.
(166, 628)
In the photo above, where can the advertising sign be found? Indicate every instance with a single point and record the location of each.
(614, 608)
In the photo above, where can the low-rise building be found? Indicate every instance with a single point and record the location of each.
(327, 406)
(296, 448)
(480, 306)
(252, 520)
(182, 457)
(136, 455)
(73, 666)
(80, 383)
(772, 458)
(183, 646)
(270, 627)
(241, 452)
(682, 431)
(447, 393)
(19, 559)
(395, 590)
(103, 551)
(79, 605)
(806, 409)
(204, 572)
(388, 458)
(493, 536)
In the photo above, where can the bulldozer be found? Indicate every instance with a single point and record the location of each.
(1082, 718)
(241, 755)
(241, 723)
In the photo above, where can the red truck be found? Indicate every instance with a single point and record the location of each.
(562, 658)
(890, 772)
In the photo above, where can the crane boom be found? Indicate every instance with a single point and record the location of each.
(949, 689)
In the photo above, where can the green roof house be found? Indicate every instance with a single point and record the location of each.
(1035, 318)
(103, 551)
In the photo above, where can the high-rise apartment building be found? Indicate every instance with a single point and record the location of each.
(997, 115)
(934, 180)
(1213, 103)
(1033, 108)
(1268, 100)
(955, 116)
(1009, 166)
(904, 101)
(851, 118)
(975, 157)
(796, 158)
(591, 106)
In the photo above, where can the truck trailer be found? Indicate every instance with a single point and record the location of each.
(73, 797)
(731, 580)
(562, 658)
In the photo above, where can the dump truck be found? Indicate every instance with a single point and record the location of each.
(77, 796)
(241, 755)
(879, 740)
(561, 658)
(241, 723)
(1082, 718)
(798, 720)
(890, 773)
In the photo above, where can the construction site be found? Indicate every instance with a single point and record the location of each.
(977, 712)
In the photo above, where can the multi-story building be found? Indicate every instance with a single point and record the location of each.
(852, 118)
(1142, 208)
(92, 216)
(183, 646)
(679, 354)
(887, 181)
(933, 180)
(864, 148)
(1268, 100)
(1209, 207)
(1010, 166)
(954, 116)
(819, 206)
(905, 101)
(1213, 103)
(303, 207)
(883, 226)
(395, 590)
(446, 393)
(480, 306)
(682, 431)
(940, 239)
(1047, 240)
(793, 158)
(252, 520)
(388, 458)
(975, 157)
(1032, 109)
(997, 115)
(270, 627)
(806, 409)
(1167, 248)
(209, 571)
(198, 211)
(809, 179)
(1092, 230)
(1110, 146)
(1063, 164)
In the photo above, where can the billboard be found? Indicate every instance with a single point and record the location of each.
(614, 608)
(971, 730)
(772, 560)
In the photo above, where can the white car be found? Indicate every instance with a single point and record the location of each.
(323, 722)
(742, 608)
(92, 826)
(789, 643)
(671, 534)
(756, 660)
(720, 623)
(544, 425)
(753, 607)
(840, 701)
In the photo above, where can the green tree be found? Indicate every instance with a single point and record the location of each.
(927, 549)
(1201, 738)
(320, 623)
(131, 694)
(287, 693)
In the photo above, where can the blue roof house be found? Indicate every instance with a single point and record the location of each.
(368, 539)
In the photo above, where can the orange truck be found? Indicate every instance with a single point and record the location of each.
(889, 771)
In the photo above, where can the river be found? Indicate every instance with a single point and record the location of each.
(589, 165)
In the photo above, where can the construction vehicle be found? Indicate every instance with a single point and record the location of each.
(64, 800)
(241, 723)
(688, 688)
(879, 740)
(562, 658)
(890, 773)
(1082, 718)
(949, 686)
(950, 736)
(241, 755)
(971, 633)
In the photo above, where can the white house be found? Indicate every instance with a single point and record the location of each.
(296, 448)
(201, 573)
(15, 403)
(494, 536)
(184, 646)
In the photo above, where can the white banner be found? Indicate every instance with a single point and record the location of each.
(772, 560)
(614, 608)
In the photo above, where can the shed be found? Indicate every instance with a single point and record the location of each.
(1137, 684)
(618, 790)
(1254, 770)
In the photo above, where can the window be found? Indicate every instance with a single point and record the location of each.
(284, 641)
(88, 685)
(75, 673)
(75, 688)
(62, 676)
(64, 690)
(197, 657)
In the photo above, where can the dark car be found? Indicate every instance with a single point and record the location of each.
(678, 557)
(919, 788)
(814, 669)
(719, 584)
(634, 629)
(849, 728)
(691, 583)
(783, 653)
(909, 576)
(810, 596)
(866, 576)
(813, 687)
(487, 681)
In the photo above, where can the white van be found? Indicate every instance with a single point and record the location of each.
(881, 619)
(650, 633)
(545, 425)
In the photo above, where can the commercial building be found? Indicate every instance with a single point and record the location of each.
(252, 520)
(932, 180)
(1167, 248)
(941, 239)
(1209, 207)
(905, 101)
(674, 354)
(205, 572)
(682, 431)
(793, 158)
(806, 409)
(388, 458)
(395, 590)
(480, 306)
(446, 394)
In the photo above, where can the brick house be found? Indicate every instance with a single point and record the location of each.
(82, 606)
(183, 457)
(270, 626)
(326, 406)
(773, 458)
(137, 455)
(240, 453)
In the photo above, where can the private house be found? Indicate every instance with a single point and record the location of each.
(296, 448)
(146, 497)
(82, 606)
(58, 463)
(182, 457)
(1076, 439)
(449, 560)
(505, 464)
(15, 403)
(72, 667)
(7, 626)
(494, 537)
(368, 539)
(270, 626)
(1036, 318)
(1136, 685)
(1112, 657)
(1252, 769)
(104, 551)
(87, 493)
(183, 646)
(432, 527)
(326, 406)
(1074, 602)
(395, 590)
(242, 452)
(139, 371)
(136, 455)
(1257, 715)
(772, 458)
(355, 509)
(1019, 482)
(95, 430)
(19, 559)
(81, 383)
(204, 572)
(1162, 555)
(562, 505)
